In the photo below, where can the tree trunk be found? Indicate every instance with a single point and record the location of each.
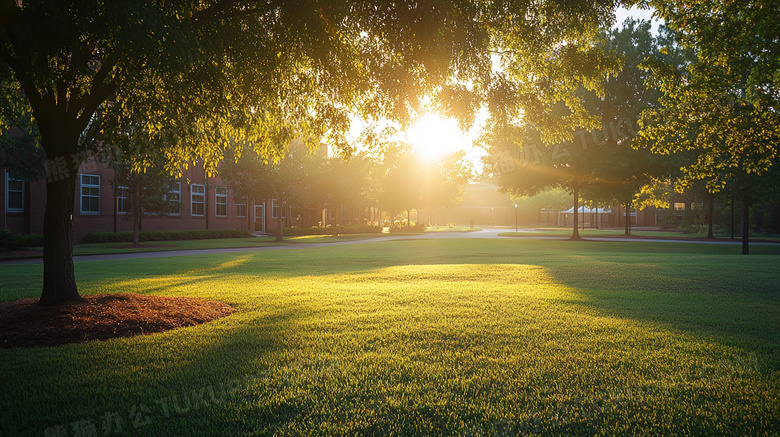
(136, 230)
(408, 218)
(746, 222)
(628, 218)
(59, 278)
(575, 235)
(710, 214)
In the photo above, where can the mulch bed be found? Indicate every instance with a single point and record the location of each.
(101, 317)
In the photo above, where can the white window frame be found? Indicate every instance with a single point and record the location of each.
(123, 192)
(8, 191)
(89, 186)
(274, 208)
(239, 207)
(220, 199)
(176, 191)
(201, 202)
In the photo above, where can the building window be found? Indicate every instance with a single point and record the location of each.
(355, 214)
(679, 206)
(175, 196)
(14, 194)
(274, 208)
(122, 200)
(220, 201)
(197, 200)
(240, 209)
(90, 194)
(331, 214)
(343, 212)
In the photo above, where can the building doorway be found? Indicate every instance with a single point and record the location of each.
(260, 218)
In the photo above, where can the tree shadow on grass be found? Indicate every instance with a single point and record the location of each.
(178, 375)
(734, 301)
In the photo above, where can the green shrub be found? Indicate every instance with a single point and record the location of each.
(694, 221)
(415, 228)
(126, 237)
(9, 240)
(332, 230)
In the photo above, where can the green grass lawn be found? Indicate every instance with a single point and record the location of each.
(423, 337)
(218, 243)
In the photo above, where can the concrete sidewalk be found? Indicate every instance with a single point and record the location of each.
(489, 233)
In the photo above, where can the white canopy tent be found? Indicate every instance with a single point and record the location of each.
(585, 215)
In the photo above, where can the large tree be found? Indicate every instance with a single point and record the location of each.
(144, 192)
(523, 165)
(723, 105)
(291, 179)
(445, 179)
(619, 169)
(541, 111)
(549, 200)
(223, 72)
(350, 182)
(401, 179)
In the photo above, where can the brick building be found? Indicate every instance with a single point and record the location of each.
(205, 203)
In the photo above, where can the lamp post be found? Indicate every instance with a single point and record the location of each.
(515, 218)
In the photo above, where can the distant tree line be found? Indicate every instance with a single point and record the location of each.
(682, 119)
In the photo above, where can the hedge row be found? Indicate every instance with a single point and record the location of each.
(332, 230)
(415, 228)
(126, 237)
(9, 240)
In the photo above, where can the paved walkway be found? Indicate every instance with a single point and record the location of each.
(490, 233)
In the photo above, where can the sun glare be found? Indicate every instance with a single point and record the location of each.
(433, 137)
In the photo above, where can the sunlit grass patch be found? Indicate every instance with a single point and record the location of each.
(439, 337)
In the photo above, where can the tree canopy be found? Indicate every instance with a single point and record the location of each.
(722, 106)
(211, 75)
(292, 179)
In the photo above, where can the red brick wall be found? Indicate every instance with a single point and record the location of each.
(104, 221)
(108, 220)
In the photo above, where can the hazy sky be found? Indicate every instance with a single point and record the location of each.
(636, 13)
(444, 134)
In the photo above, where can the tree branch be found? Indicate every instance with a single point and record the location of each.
(213, 10)
(504, 52)
(220, 11)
